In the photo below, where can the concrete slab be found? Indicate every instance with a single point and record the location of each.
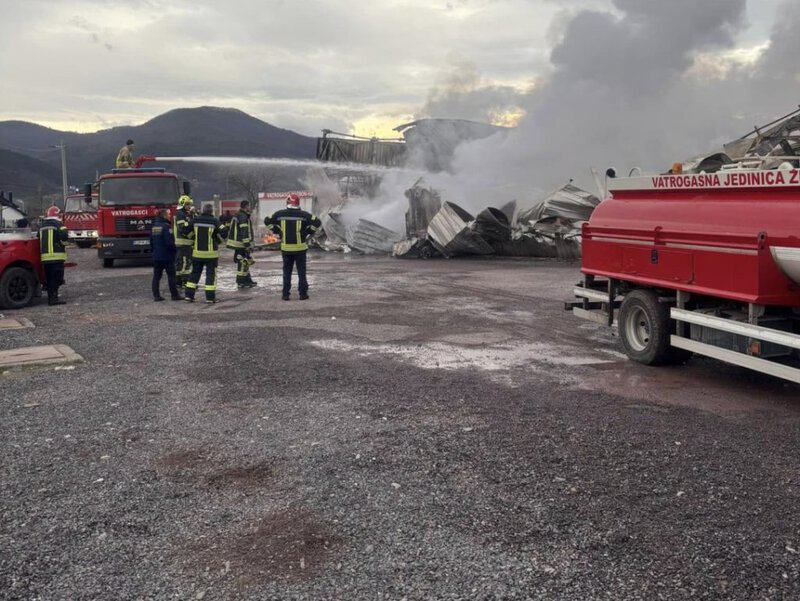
(15, 323)
(38, 355)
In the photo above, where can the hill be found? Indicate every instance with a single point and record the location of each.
(26, 176)
(203, 131)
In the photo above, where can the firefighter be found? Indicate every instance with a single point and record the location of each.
(52, 236)
(163, 244)
(294, 226)
(240, 239)
(207, 236)
(181, 226)
(125, 156)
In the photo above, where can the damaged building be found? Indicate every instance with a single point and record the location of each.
(436, 226)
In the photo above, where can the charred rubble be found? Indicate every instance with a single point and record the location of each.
(438, 228)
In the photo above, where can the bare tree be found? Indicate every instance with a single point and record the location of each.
(247, 181)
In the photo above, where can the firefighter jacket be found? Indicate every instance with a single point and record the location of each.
(240, 234)
(52, 236)
(181, 228)
(124, 158)
(161, 240)
(294, 226)
(207, 235)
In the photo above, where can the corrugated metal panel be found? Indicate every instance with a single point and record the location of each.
(370, 238)
(451, 233)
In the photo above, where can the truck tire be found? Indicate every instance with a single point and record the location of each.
(108, 262)
(645, 328)
(17, 287)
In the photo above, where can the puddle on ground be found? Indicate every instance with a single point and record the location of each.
(440, 355)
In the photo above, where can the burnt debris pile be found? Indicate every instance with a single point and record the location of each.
(438, 228)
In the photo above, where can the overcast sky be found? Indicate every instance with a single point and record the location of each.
(353, 65)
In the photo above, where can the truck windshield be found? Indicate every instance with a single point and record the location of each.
(78, 204)
(125, 191)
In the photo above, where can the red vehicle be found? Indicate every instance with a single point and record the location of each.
(21, 271)
(699, 263)
(128, 201)
(80, 219)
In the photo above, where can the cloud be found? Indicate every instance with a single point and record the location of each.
(356, 62)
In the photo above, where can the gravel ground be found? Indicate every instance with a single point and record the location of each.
(417, 430)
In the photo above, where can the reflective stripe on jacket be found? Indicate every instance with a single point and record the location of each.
(240, 234)
(161, 241)
(207, 236)
(52, 235)
(294, 227)
(180, 228)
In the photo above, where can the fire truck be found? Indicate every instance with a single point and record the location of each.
(128, 201)
(80, 219)
(705, 264)
(21, 273)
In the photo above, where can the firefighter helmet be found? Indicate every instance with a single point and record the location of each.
(53, 212)
(185, 201)
(293, 201)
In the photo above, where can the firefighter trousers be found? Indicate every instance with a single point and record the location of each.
(243, 261)
(210, 265)
(53, 278)
(291, 260)
(159, 267)
(183, 265)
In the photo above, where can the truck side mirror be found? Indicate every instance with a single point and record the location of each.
(87, 193)
(187, 187)
(611, 173)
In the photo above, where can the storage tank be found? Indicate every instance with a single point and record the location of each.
(731, 234)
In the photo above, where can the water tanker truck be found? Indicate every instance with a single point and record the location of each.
(703, 263)
(127, 202)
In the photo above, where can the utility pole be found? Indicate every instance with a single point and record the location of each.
(65, 191)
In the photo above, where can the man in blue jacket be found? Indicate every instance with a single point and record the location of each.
(163, 244)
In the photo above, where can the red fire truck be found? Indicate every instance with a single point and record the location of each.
(80, 219)
(128, 201)
(21, 271)
(703, 263)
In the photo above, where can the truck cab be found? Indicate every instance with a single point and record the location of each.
(80, 219)
(128, 202)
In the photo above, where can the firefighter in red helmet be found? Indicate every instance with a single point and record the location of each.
(294, 226)
(52, 237)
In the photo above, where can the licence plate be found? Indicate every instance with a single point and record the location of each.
(141, 242)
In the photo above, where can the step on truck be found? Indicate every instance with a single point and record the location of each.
(705, 264)
(128, 201)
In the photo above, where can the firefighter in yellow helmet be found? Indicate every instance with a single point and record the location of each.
(181, 227)
(207, 237)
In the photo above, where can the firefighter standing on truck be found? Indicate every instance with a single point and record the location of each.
(294, 226)
(125, 156)
(52, 236)
(181, 226)
(240, 239)
(207, 236)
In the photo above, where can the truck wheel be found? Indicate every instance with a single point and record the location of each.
(108, 262)
(17, 287)
(644, 328)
